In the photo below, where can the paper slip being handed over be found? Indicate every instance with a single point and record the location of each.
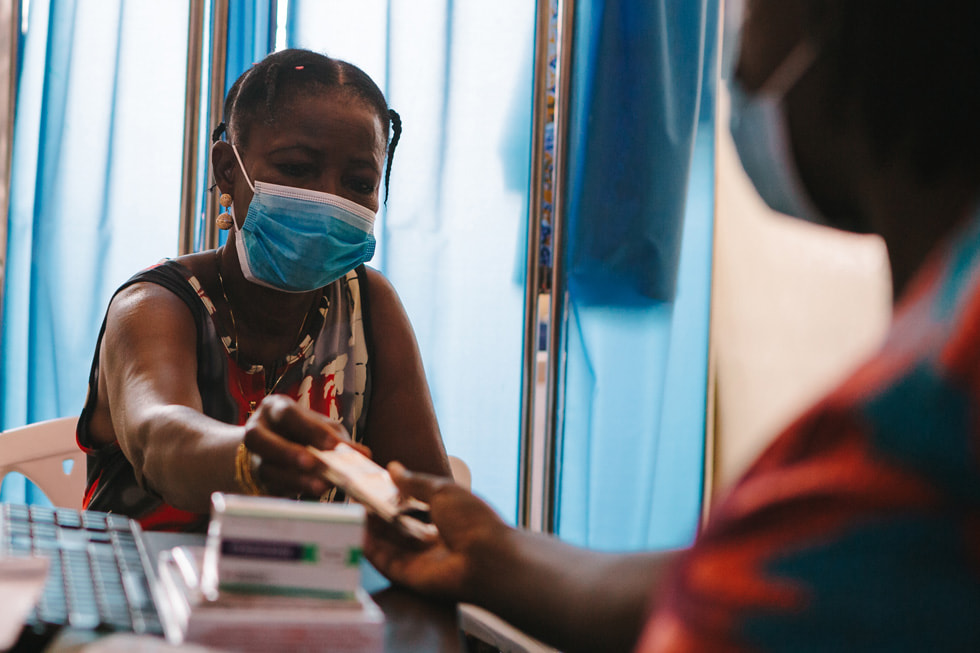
(370, 484)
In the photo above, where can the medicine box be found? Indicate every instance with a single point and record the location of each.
(259, 623)
(269, 546)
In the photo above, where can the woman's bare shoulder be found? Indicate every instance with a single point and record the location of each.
(200, 264)
(382, 297)
(145, 307)
(377, 280)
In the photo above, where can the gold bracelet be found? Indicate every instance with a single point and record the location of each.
(243, 472)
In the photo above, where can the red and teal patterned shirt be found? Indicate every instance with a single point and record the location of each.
(859, 527)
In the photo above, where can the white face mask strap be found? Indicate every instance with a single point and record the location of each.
(800, 58)
(242, 166)
(234, 219)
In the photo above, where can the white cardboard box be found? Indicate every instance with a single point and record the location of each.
(264, 545)
(263, 623)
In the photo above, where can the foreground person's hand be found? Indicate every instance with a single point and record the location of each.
(469, 530)
(278, 433)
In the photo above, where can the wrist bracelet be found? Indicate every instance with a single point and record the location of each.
(243, 472)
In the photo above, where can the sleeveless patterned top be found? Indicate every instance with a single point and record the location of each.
(328, 371)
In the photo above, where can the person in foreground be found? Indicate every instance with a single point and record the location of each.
(214, 370)
(859, 527)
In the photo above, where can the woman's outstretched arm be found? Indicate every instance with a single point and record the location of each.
(150, 404)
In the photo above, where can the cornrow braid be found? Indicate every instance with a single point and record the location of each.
(396, 134)
(218, 131)
(271, 81)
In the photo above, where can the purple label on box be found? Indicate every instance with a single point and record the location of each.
(269, 550)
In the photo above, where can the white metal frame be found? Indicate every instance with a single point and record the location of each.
(10, 28)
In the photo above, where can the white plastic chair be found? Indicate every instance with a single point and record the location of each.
(461, 471)
(46, 453)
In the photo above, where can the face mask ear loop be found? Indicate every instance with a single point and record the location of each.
(789, 72)
(242, 166)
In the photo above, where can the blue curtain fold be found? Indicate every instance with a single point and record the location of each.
(640, 214)
(251, 36)
(95, 188)
(636, 87)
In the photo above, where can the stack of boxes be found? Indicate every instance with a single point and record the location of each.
(275, 574)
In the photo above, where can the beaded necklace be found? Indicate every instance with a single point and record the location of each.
(269, 389)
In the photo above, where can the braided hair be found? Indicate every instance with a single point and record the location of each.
(262, 89)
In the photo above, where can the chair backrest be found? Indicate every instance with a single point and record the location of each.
(47, 454)
(794, 308)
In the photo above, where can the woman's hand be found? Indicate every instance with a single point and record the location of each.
(278, 433)
(571, 598)
(445, 566)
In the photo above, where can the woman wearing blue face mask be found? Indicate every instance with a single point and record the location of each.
(859, 527)
(215, 370)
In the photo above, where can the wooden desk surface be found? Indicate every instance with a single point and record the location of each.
(416, 624)
(412, 623)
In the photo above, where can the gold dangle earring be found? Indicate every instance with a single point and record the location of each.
(224, 220)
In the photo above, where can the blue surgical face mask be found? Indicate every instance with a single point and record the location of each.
(762, 139)
(297, 240)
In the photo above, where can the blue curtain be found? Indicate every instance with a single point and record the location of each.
(639, 261)
(95, 188)
(251, 34)
(453, 233)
